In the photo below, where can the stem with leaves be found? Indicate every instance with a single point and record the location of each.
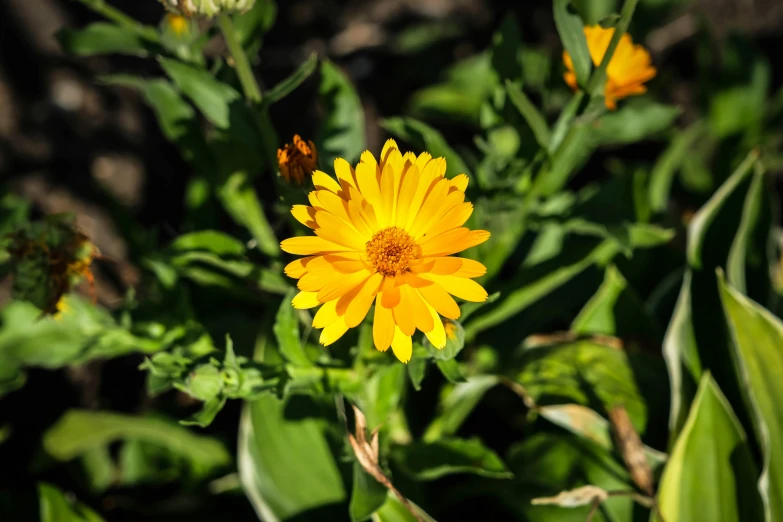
(241, 63)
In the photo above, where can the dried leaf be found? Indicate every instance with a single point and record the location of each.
(632, 449)
(574, 497)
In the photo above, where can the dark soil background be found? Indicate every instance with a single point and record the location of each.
(70, 144)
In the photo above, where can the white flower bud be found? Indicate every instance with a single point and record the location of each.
(208, 7)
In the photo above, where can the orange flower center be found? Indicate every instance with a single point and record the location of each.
(391, 251)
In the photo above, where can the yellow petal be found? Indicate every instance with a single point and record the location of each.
(326, 315)
(421, 315)
(387, 147)
(407, 190)
(342, 285)
(384, 211)
(440, 300)
(369, 159)
(323, 181)
(360, 305)
(457, 266)
(367, 179)
(338, 231)
(462, 287)
(305, 215)
(313, 282)
(298, 267)
(308, 245)
(391, 293)
(442, 243)
(305, 300)
(344, 172)
(432, 205)
(454, 218)
(460, 182)
(333, 203)
(403, 313)
(333, 332)
(402, 346)
(437, 335)
(427, 179)
(383, 327)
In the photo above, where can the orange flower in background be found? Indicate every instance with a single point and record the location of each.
(384, 233)
(628, 70)
(297, 160)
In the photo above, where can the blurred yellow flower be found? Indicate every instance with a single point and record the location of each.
(628, 70)
(385, 233)
(297, 160)
(177, 23)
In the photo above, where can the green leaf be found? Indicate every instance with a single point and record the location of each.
(451, 370)
(528, 111)
(741, 108)
(457, 405)
(103, 38)
(521, 298)
(432, 460)
(242, 204)
(546, 463)
(455, 341)
(697, 229)
(382, 394)
(287, 332)
(573, 151)
(633, 123)
(367, 495)
(425, 138)
(586, 423)
(616, 310)
(55, 506)
(176, 117)
(285, 465)
(668, 164)
(579, 420)
(341, 134)
(740, 248)
(681, 352)
(212, 97)
(710, 474)
(758, 348)
(251, 25)
(506, 50)
(287, 86)
(417, 366)
(79, 431)
(213, 241)
(595, 375)
(571, 29)
(460, 97)
(206, 414)
(394, 511)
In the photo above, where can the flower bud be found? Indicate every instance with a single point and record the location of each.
(208, 8)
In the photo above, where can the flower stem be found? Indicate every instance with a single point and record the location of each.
(598, 78)
(241, 63)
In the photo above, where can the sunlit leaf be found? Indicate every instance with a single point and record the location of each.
(710, 474)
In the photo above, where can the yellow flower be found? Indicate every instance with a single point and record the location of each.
(384, 233)
(628, 70)
(177, 23)
(297, 160)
